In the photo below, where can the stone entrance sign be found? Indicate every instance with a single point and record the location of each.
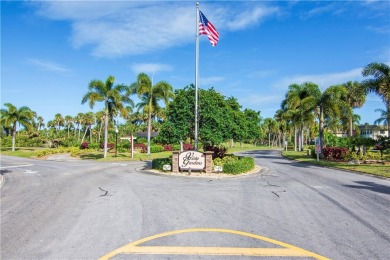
(192, 160)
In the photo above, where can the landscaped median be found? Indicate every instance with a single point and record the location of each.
(231, 164)
(382, 170)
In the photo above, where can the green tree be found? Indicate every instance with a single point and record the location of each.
(112, 97)
(379, 84)
(299, 105)
(68, 123)
(40, 123)
(13, 116)
(78, 119)
(332, 106)
(218, 118)
(150, 95)
(88, 120)
(355, 98)
(59, 121)
(384, 117)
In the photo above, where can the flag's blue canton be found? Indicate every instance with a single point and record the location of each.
(205, 27)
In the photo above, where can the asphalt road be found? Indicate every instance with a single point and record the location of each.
(85, 210)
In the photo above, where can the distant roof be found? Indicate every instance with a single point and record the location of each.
(145, 134)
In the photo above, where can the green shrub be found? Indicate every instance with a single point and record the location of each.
(142, 140)
(158, 164)
(243, 164)
(156, 148)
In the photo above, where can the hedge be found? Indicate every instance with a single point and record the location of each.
(158, 164)
(240, 165)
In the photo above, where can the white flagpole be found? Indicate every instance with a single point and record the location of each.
(196, 76)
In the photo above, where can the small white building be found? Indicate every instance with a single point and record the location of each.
(373, 131)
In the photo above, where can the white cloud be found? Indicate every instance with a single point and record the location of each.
(208, 81)
(49, 66)
(119, 28)
(149, 67)
(250, 17)
(379, 29)
(262, 100)
(322, 80)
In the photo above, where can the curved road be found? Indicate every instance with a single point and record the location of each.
(85, 210)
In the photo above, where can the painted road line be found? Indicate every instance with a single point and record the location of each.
(288, 250)
(15, 166)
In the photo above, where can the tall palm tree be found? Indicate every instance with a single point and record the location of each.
(299, 104)
(384, 118)
(59, 121)
(68, 122)
(112, 97)
(355, 98)
(332, 104)
(150, 96)
(40, 123)
(100, 121)
(88, 120)
(78, 119)
(380, 84)
(13, 116)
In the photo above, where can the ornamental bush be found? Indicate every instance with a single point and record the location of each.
(156, 148)
(158, 164)
(84, 145)
(168, 147)
(235, 164)
(219, 151)
(187, 147)
(336, 153)
(243, 164)
(110, 146)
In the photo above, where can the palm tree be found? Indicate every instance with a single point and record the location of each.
(59, 121)
(380, 84)
(13, 116)
(68, 122)
(355, 98)
(299, 104)
(100, 120)
(40, 123)
(150, 95)
(78, 120)
(88, 120)
(384, 118)
(113, 98)
(332, 104)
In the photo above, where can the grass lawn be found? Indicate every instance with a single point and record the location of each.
(377, 169)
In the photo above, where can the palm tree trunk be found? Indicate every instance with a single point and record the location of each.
(351, 127)
(100, 130)
(105, 133)
(90, 134)
(85, 134)
(321, 125)
(149, 122)
(295, 138)
(13, 136)
(149, 129)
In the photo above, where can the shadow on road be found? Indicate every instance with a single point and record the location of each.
(367, 185)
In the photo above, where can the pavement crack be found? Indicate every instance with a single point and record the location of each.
(275, 194)
(105, 194)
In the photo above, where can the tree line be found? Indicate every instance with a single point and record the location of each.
(304, 113)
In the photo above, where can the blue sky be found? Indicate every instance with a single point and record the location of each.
(51, 50)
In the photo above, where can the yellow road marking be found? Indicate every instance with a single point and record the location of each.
(288, 250)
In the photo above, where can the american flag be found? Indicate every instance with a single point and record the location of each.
(205, 27)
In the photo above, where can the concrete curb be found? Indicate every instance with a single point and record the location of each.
(1, 180)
